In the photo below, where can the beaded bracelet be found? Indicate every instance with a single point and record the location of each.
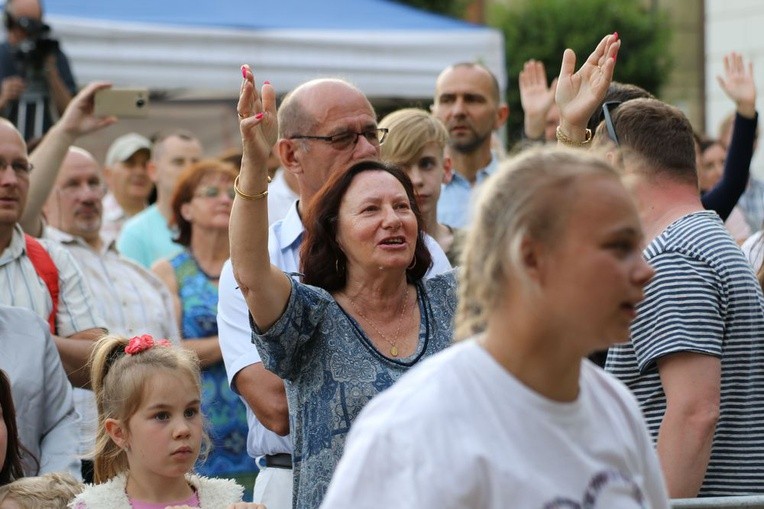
(249, 197)
(565, 140)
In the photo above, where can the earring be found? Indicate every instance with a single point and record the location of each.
(413, 264)
(337, 266)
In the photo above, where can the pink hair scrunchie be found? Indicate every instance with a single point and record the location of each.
(138, 344)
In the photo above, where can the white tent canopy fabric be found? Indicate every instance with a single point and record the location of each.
(386, 56)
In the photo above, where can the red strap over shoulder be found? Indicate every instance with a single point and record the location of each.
(48, 272)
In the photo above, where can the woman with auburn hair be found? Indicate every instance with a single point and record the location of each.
(201, 209)
(363, 313)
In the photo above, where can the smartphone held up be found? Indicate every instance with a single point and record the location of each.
(122, 102)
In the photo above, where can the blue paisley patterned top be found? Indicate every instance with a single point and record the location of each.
(331, 370)
(223, 410)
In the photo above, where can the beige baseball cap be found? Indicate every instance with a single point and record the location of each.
(125, 146)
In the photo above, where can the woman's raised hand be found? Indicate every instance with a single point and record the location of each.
(579, 93)
(257, 119)
(738, 84)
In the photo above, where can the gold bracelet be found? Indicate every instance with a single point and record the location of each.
(565, 140)
(249, 197)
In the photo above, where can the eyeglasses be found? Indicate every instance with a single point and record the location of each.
(214, 192)
(20, 167)
(343, 141)
(73, 188)
(607, 109)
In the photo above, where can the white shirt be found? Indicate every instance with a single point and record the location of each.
(132, 300)
(235, 335)
(753, 249)
(459, 431)
(114, 217)
(280, 197)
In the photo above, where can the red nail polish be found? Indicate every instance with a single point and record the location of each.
(266, 82)
(616, 35)
(243, 72)
(259, 116)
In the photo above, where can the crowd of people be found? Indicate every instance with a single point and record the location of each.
(360, 313)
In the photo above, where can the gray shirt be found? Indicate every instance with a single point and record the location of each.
(41, 392)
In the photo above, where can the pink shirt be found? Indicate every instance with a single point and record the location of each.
(192, 501)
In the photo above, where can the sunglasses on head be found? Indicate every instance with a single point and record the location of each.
(607, 109)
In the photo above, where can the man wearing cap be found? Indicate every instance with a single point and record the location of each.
(127, 178)
(149, 235)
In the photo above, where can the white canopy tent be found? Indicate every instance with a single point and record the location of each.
(386, 49)
(190, 53)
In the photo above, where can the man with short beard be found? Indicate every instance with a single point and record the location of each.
(468, 100)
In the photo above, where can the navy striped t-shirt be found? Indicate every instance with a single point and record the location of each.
(703, 298)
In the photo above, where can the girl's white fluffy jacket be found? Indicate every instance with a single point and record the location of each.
(212, 493)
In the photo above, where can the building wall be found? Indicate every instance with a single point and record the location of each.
(732, 25)
(685, 85)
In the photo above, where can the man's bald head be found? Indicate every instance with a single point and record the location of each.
(301, 107)
(14, 185)
(317, 109)
(74, 205)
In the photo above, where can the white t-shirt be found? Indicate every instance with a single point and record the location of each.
(459, 431)
(753, 249)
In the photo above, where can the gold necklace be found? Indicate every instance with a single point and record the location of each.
(393, 344)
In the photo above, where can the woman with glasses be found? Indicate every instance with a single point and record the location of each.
(201, 208)
(362, 313)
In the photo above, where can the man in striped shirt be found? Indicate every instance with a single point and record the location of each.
(694, 361)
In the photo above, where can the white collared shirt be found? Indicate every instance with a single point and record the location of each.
(132, 300)
(280, 198)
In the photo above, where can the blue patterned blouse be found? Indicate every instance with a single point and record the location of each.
(331, 370)
(223, 410)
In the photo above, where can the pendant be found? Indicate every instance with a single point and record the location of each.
(394, 351)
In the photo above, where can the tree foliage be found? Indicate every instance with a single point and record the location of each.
(542, 29)
(453, 8)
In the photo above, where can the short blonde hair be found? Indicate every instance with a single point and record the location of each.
(410, 130)
(49, 491)
(529, 196)
(119, 383)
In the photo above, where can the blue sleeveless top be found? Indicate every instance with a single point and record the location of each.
(224, 412)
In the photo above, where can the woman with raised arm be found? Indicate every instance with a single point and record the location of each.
(362, 314)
